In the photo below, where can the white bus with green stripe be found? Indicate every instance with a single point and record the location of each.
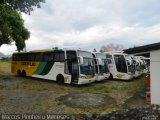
(63, 66)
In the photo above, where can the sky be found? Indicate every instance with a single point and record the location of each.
(89, 24)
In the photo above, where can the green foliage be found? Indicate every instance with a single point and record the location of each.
(11, 22)
(25, 6)
(6, 59)
(12, 27)
(55, 48)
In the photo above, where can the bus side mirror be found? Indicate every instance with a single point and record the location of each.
(81, 60)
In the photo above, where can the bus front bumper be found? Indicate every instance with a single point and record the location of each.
(102, 77)
(86, 81)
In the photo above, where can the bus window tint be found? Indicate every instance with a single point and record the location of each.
(31, 57)
(15, 57)
(59, 57)
(87, 61)
(120, 63)
(71, 55)
(109, 56)
(24, 57)
(38, 56)
(48, 56)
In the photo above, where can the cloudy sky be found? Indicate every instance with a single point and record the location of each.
(89, 24)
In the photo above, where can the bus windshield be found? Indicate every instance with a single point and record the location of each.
(100, 55)
(102, 68)
(87, 67)
(131, 63)
(120, 63)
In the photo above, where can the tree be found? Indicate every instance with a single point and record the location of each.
(111, 47)
(11, 22)
(55, 48)
(25, 6)
(12, 27)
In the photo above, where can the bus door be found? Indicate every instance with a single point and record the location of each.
(72, 63)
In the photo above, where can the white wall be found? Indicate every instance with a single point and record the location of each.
(155, 76)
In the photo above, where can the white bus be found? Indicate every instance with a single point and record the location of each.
(147, 65)
(143, 64)
(101, 66)
(63, 66)
(118, 66)
(135, 65)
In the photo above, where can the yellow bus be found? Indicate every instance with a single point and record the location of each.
(63, 66)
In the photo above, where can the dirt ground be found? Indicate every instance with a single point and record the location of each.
(31, 95)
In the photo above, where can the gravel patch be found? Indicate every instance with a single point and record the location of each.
(86, 100)
(22, 101)
(144, 113)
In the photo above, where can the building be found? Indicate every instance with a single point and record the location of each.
(152, 51)
(143, 50)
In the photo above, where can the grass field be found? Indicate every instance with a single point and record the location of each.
(30, 95)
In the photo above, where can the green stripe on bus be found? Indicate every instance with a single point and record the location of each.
(40, 67)
(47, 68)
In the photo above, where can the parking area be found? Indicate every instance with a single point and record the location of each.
(30, 95)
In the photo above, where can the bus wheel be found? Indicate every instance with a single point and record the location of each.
(19, 73)
(23, 73)
(60, 79)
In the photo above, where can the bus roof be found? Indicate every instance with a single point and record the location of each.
(38, 51)
(49, 50)
(115, 53)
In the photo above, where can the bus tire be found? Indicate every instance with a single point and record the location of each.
(23, 73)
(18, 72)
(60, 79)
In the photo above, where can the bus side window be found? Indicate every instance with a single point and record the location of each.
(24, 57)
(31, 57)
(38, 57)
(48, 57)
(59, 57)
(17, 57)
(14, 57)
